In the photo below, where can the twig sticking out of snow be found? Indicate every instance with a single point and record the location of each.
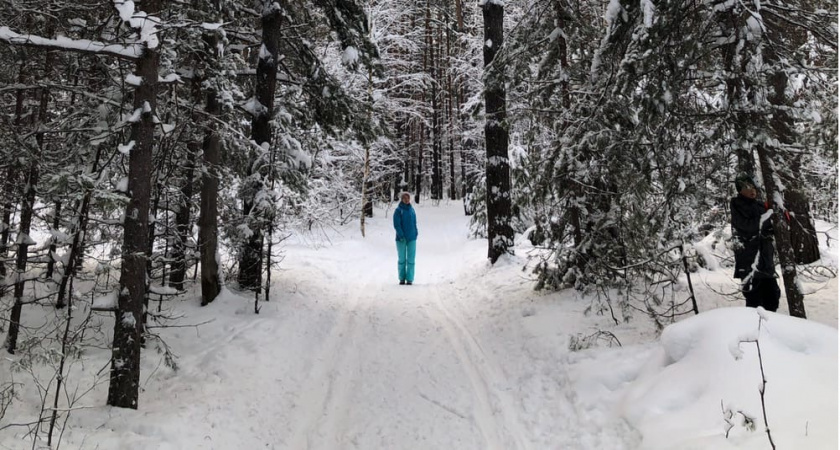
(763, 315)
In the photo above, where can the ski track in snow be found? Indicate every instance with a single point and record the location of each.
(343, 358)
(324, 398)
(485, 378)
(343, 384)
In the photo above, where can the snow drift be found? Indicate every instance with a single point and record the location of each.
(706, 371)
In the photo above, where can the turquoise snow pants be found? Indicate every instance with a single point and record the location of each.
(406, 250)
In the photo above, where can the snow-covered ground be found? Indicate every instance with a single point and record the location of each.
(470, 357)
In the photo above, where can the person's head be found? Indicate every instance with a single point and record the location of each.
(745, 186)
(405, 197)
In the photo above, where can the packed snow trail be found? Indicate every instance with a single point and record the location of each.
(343, 357)
(469, 358)
(399, 370)
(400, 366)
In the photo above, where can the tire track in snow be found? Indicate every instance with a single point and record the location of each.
(483, 375)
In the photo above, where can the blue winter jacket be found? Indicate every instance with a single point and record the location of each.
(405, 222)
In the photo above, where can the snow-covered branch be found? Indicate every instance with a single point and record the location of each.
(132, 51)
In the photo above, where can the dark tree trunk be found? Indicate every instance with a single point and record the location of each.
(367, 210)
(10, 193)
(803, 236)
(404, 178)
(23, 240)
(499, 230)
(123, 390)
(410, 167)
(418, 174)
(774, 168)
(465, 148)
(462, 144)
(208, 233)
(735, 91)
(150, 251)
(23, 243)
(182, 221)
(787, 257)
(55, 224)
(250, 258)
(434, 92)
(450, 118)
(573, 210)
(79, 229)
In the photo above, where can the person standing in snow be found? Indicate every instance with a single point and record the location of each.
(752, 230)
(405, 224)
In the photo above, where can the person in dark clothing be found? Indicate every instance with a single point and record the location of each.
(752, 230)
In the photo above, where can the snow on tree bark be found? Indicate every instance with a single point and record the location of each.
(182, 221)
(803, 236)
(27, 210)
(499, 230)
(208, 232)
(250, 258)
(123, 390)
(787, 257)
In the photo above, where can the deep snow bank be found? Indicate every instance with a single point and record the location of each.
(702, 368)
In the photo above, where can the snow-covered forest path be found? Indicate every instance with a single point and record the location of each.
(468, 358)
(343, 357)
(399, 368)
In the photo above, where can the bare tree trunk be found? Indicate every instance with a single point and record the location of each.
(367, 187)
(499, 230)
(787, 257)
(434, 90)
(182, 221)
(775, 167)
(23, 240)
(574, 212)
(56, 217)
(208, 233)
(123, 390)
(250, 259)
(451, 120)
(10, 193)
(736, 85)
(150, 249)
(466, 188)
(79, 229)
(803, 236)
(8, 206)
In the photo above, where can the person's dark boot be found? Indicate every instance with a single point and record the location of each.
(402, 282)
(408, 283)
